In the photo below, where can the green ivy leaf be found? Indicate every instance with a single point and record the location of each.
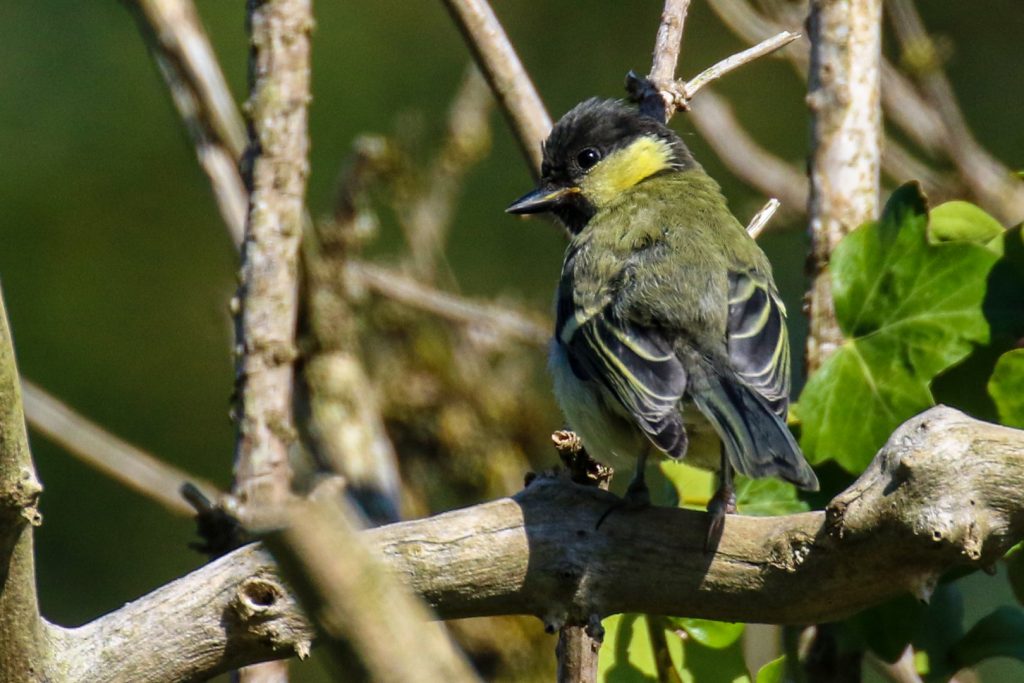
(767, 497)
(626, 656)
(772, 672)
(1006, 387)
(1000, 634)
(703, 664)
(909, 309)
(714, 634)
(693, 486)
(959, 221)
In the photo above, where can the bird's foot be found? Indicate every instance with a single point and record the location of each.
(721, 504)
(637, 497)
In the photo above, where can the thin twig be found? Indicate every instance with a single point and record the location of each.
(186, 60)
(684, 91)
(113, 456)
(500, 65)
(667, 45)
(508, 322)
(760, 220)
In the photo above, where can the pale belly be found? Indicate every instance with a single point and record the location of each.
(606, 430)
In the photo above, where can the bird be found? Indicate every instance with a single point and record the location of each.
(669, 327)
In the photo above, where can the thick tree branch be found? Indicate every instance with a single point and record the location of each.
(231, 613)
(371, 620)
(943, 493)
(23, 649)
(279, 145)
(684, 91)
(279, 77)
(846, 145)
(500, 65)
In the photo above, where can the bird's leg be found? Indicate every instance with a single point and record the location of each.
(721, 504)
(637, 496)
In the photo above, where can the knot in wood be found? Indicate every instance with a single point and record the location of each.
(258, 598)
(21, 497)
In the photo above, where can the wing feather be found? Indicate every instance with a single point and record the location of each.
(758, 342)
(636, 364)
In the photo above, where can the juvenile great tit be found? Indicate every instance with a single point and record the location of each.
(665, 304)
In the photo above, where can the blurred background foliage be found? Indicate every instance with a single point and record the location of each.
(117, 270)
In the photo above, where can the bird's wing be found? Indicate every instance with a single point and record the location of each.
(636, 364)
(758, 343)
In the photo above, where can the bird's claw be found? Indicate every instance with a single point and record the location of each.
(721, 504)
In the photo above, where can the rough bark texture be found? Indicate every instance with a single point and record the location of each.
(668, 42)
(577, 655)
(279, 76)
(943, 493)
(24, 654)
(269, 294)
(846, 135)
(233, 612)
(370, 620)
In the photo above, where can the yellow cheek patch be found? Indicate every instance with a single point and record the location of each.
(625, 168)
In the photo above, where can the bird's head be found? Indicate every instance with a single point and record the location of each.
(595, 153)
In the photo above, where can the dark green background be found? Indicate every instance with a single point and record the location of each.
(116, 268)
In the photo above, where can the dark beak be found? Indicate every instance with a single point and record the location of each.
(544, 198)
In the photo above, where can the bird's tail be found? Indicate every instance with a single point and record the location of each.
(758, 442)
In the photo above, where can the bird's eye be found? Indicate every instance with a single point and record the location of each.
(587, 158)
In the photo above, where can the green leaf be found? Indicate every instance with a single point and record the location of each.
(693, 485)
(714, 634)
(702, 664)
(1000, 634)
(962, 221)
(1006, 387)
(767, 497)
(908, 309)
(772, 672)
(626, 656)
